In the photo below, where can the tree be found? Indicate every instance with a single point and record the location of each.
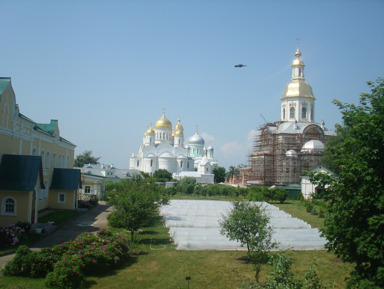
(248, 223)
(135, 204)
(354, 225)
(162, 175)
(85, 158)
(219, 173)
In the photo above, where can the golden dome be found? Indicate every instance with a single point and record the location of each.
(297, 61)
(150, 131)
(297, 88)
(163, 122)
(179, 132)
(178, 126)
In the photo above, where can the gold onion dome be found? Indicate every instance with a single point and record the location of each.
(298, 88)
(163, 122)
(297, 61)
(178, 126)
(179, 132)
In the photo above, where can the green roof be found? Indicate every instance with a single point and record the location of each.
(66, 179)
(48, 127)
(20, 172)
(4, 82)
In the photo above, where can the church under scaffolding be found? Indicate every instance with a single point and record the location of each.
(284, 149)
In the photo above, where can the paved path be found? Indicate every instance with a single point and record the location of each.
(90, 221)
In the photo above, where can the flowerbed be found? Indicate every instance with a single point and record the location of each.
(11, 235)
(66, 265)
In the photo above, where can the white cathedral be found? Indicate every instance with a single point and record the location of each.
(164, 148)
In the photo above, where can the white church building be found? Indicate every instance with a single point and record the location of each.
(166, 148)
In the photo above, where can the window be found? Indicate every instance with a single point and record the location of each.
(41, 194)
(181, 164)
(46, 190)
(9, 206)
(283, 113)
(87, 189)
(54, 161)
(47, 160)
(137, 164)
(151, 163)
(59, 161)
(42, 156)
(292, 112)
(34, 153)
(304, 112)
(61, 198)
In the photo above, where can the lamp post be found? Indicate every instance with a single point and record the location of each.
(188, 278)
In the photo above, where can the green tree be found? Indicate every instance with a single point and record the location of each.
(328, 160)
(354, 225)
(85, 158)
(135, 204)
(219, 173)
(162, 175)
(248, 223)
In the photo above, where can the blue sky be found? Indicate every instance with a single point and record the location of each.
(106, 69)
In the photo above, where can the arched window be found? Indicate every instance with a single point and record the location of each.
(304, 112)
(42, 156)
(292, 112)
(137, 164)
(181, 164)
(59, 161)
(47, 160)
(283, 113)
(34, 152)
(54, 161)
(9, 206)
(151, 163)
(5, 115)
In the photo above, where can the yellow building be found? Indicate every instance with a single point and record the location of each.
(33, 151)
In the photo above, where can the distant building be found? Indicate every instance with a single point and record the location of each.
(94, 176)
(308, 189)
(283, 149)
(165, 148)
(36, 164)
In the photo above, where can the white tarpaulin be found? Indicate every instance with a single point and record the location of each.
(194, 225)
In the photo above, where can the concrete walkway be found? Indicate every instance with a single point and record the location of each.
(91, 221)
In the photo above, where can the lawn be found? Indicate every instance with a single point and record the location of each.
(297, 209)
(59, 217)
(157, 264)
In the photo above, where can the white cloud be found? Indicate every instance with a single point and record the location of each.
(208, 138)
(232, 147)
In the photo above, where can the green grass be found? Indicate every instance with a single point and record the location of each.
(59, 217)
(158, 264)
(297, 209)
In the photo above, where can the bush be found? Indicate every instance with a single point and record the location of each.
(321, 213)
(314, 211)
(10, 236)
(67, 273)
(94, 252)
(308, 206)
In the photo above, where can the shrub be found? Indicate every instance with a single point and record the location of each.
(321, 213)
(67, 273)
(10, 236)
(308, 206)
(314, 211)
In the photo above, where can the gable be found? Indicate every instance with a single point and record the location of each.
(20, 172)
(66, 179)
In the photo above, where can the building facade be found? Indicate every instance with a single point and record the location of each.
(283, 149)
(164, 147)
(26, 146)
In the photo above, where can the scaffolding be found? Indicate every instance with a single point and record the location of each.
(278, 157)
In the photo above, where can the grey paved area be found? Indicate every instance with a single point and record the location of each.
(90, 221)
